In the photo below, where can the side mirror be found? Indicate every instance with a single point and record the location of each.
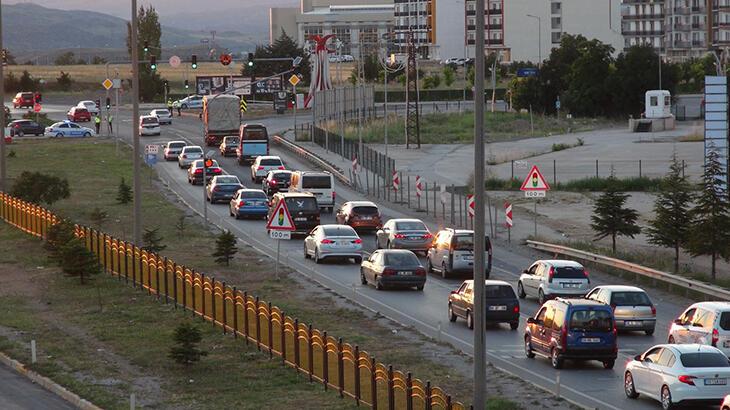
(454, 292)
(385, 229)
(637, 357)
(531, 320)
(525, 271)
(677, 321)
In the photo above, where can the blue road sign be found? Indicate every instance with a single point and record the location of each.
(150, 159)
(527, 72)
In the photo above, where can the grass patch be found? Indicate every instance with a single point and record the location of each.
(592, 184)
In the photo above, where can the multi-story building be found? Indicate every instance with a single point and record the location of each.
(642, 22)
(719, 23)
(415, 18)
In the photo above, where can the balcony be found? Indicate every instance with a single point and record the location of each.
(698, 43)
(699, 9)
(489, 42)
(493, 11)
(678, 27)
(652, 16)
(638, 1)
(699, 26)
(682, 11)
(682, 44)
(628, 32)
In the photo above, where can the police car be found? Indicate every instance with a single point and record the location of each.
(68, 129)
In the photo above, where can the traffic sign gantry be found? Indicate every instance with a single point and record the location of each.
(534, 184)
(280, 219)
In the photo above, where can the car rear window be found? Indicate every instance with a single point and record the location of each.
(227, 180)
(253, 195)
(594, 320)
(410, 226)
(464, 242)
(162, 112)
(401, 259)
(195, 150)
(302, 204)
(365, 210)
(228, 187)
(177, 145)
(568, 272)
(82, 110)
(149, 120)
(232, 141)
(704, 359)
(725, 321)
(270, 161)
(630, 299)
(339, 231)
(282, 176)
(499, 292)
(316, 182)
(27, 96)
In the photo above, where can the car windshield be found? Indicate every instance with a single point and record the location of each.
(464, 243)
(316, 182)
(270, 161)
(365, 210)
(302, 204)
(630, 299)
(704, 359)
(725, 320)
(176, 145)
(227, 180)
(568, 272)
(338, 231)
(591, 320)
(410, 226)
(253, 195)
(401, 259)
(499, 292)
(149, 120)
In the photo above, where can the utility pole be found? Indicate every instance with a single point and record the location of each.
(3, 156)
(480, 365)
(137, 163)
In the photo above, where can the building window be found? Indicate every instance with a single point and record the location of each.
(343, 34)
(312, 31)
(369, 35)
(555, 23)
(555, 8)
(555, 37)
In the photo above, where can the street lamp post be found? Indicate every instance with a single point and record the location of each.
(3, 156)
(135, 130)
(539, 37)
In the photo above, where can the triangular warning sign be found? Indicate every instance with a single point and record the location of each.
(535, 181)
(281, 219)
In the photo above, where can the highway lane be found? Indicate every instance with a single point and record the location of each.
(585, 383)
(19, 393)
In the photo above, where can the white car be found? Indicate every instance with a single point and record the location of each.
(262, 165)
(333, 241)
(164, 116)
(191, 101)
(173, 149)
(707, 323)
(678, 375)
(453, 60)
(547, 279)
(188, 155)
(90, 106)
(68, 129)
(149, 125)
(347, 58)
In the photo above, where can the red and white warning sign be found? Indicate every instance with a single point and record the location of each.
(280, 219)
(470, 205)
(354, 164)
(508, 215)
(419, 186)
(396, 181)
(535, 185)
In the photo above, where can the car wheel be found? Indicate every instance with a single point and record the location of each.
(316, 257)
(87, 134)
(671, 340)
(429, 267)
(649, 332)
(469, 320)
(608, 364)
(184, 106)
(514, 325)
(378, 284)
(540, 297)
(521, 291)
(363, 280)
(444, 274)
(59, 135)
(667, 399)
(452, 315)
(528, 348)
(629, 387)
(358, 260)
(555, 360)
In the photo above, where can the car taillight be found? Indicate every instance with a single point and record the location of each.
(357, 241)
(326, 241)
(687, 379)
(198, 171)
(260, 168)
(613, 307)
(389, 272)
(427, 236)
(550, 274)
(216, 170)
(564, 336)
(421, 272)
(281, 167)
(715, 337)
(241, 203)
(653, 310)
(516, 309)
(272, 182)
(399, 236)
(333, 196)
(216, 189)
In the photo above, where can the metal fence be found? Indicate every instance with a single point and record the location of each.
(325, 359)
(343, 103)
(371, 160)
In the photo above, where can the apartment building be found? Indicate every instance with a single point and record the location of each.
(415, 18)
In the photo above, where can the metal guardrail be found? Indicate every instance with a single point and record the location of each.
(688, 284)
(296, 149)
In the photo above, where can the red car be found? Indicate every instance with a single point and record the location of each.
(78, 114)
(24, 99)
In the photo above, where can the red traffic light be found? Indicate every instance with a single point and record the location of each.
(38, 98)
(226, 59)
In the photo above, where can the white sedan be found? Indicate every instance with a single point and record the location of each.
(164, 116)
(192, 101)
(333, 241)
(679, 375)
(68, 129)
(90, 106)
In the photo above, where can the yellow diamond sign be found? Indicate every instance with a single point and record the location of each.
(107, 83)
(294, 80)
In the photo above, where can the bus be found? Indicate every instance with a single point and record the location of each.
(253, 141)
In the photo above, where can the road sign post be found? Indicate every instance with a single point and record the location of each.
(280, 227)
(535, 186)
(508, 220)
(419, 189)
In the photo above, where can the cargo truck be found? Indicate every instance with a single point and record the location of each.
(221, 117)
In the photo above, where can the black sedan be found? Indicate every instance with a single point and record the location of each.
(19, 128)
(276, 181)
(501, 304)
(393, 268)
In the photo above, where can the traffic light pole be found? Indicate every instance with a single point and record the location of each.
(137, 164)
(3, 156)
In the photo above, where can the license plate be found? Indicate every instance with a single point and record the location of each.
(367, 218)
(413, 238)
(715, 382)
(300, 219)
(591, 340)
(493, 308)
(405, 273)
(571, 285)
(632, 323)
(468, 257)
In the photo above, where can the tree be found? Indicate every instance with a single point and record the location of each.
(11, 58)
(57, 236)
(124, 193)
(66, 58)
(98, 217)
(149, 30)
(11, 83)
(282, 47)
(39, 188)
(186, 351)
(449, 76)
(671, 223)
(180, 226)
(611, 218)
(76, 260)
(153, 241)
(27, 82)
(710, 231)
(64, 82)
(225, 248)
(584, 95)
(97, 60)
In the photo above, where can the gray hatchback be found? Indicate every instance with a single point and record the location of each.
(452, 251)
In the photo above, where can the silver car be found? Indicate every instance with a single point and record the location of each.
(409, 234)
(164, 116)
(173, 149)
(452, 251)
(632, 307)
(189, 154)
(333, 241)
(548, 279)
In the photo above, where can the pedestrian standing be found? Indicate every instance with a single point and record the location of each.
(97, 123)
(169, 105)
(109, 119)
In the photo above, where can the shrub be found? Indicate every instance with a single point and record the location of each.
(39, 188)
(187, 337)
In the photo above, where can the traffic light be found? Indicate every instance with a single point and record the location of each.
(195, 61)
(187, 84)
(108, 103)
(250, 60)
(146, 46)
(167, 86)
(98, 103)
(38, 98)
(153, 63)
(5, 56)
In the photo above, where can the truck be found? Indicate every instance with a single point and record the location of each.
(221, 117)
(253, 141)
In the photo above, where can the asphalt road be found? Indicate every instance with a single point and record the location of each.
(587, 384)
(19, 393)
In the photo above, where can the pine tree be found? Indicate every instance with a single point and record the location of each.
(98, 217)
(153, 241)
(225, 248)
(57, 236)
(186, 351)
(710, 231)
(76, 260)
(671, 221)
(610, 218)
(124, 193)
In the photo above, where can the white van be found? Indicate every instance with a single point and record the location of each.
(320, 184)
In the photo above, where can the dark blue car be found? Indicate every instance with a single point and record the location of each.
(249, 203)
(572, 329)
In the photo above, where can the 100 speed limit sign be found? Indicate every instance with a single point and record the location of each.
(279, 234)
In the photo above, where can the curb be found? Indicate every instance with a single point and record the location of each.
(47, 384)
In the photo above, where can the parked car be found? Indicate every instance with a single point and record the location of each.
(404, 233)
(173, 149)
(319, 183)
(706, 323)
(78, 114)
(679, 375)
(195, 171)
(452, 251)
(501, 304)
(249, 203)
(222, 188)
(23, 100)
(149, 125)
(632, 308)
(333, 241)
(228, 146)
(547, 279)
(189, 154)
(347, 58)
(68, 129)
(19, 128)
(302, 208)
(163, 115)
(276, 181)
(90, 106)
(453, 60)
(262, 165)
(387, 268)
(577, 329)
(359, 215)
(191, 101)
